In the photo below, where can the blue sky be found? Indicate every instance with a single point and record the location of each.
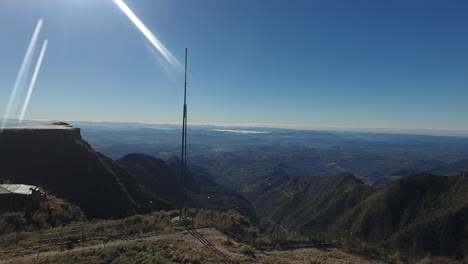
(369, 63)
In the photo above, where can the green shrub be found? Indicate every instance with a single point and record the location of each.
(444, 260)
(16, 221)
(248, 251)
(39, 220)
(52, 212)
(424, 261)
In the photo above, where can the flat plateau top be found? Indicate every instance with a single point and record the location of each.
(55, 125)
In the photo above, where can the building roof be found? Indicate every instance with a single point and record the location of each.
(16, 189)
(3, 190)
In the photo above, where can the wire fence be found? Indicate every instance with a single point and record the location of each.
(75, 236)
(68, 237)
(85, 235)
(90, 234)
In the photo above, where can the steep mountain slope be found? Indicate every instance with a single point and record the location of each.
(278, 186)
(270, 192)
(55, 157)
(163, 177)
(154, 174)
(422, 212)
(419, 213)
(318, 213)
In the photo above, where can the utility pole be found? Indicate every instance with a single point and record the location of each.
(183, 156)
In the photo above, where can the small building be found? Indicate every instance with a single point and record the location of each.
(16, 197)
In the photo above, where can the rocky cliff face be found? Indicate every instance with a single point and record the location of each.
(55, 157)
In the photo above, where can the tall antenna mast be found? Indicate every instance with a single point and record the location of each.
(183, 156)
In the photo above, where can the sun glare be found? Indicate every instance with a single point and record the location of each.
(33, 80)
(24, 69)
(149, 35)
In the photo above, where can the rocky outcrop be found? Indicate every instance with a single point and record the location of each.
(56, 157)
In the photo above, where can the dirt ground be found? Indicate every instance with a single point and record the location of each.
(183, 247)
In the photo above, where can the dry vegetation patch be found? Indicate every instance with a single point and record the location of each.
(181, 247)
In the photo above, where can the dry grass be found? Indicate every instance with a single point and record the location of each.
(181, 247)
(312, 255)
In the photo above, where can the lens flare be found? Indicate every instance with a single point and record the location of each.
(33, 80)
(149, 35)
(25, 65)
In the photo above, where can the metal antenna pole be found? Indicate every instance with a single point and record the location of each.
(183, 156)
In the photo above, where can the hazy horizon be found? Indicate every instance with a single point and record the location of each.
(381, 130)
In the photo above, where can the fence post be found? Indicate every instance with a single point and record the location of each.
(365, 251)
(102, 233)
(40, 242)
(82, 236)
(61, 239)
(349, 238)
